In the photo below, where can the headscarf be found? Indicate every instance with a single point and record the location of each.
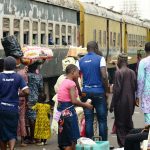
(67, 61)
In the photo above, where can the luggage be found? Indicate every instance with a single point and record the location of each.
(11, 47)
(100, 145)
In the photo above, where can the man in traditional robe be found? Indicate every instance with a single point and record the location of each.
(123, 101)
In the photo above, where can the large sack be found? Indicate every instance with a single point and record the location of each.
(11, 47)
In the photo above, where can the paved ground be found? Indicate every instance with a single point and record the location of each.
(52, 143)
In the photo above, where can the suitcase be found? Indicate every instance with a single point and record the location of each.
(100, 145)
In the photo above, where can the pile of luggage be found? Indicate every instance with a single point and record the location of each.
(26, 55)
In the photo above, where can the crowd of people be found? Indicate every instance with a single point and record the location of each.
(24, 110)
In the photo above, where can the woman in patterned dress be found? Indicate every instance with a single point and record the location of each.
(35, 83)
(22, 111)
(42, 124)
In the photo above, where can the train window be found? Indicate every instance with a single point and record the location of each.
(17, 35)
(136, 40)
(26, 32)
(94, 34)
(104, 38)
(57, 35)
(100, 37)
(118, 39)
(6, 27)
(131, 40)
(75, 35)
(17, 29)
(50, 34)
(63, 33)
(114, 39)
(143, 40)
(35, 33)
(69, 35)
(111, 40)
(43, 34)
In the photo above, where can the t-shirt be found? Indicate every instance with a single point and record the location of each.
(101, 64)
(10, 83)
(63, 94)
(89, 66)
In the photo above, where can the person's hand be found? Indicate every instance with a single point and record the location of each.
(107, 95)
(137, 102)
(88, 105)
(111, 109)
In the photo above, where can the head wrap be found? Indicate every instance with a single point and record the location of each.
(9, 63)
(67, 61)
(123, 56)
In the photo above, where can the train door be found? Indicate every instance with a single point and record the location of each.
(107, 54)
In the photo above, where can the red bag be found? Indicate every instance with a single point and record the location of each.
(82, 131)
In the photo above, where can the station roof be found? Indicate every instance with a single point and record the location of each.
(70, 4)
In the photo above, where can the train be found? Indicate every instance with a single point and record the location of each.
(59, 24)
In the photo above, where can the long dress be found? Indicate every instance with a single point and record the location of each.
(35, 83)
(42, 124)
(123, 102)
(22, 106)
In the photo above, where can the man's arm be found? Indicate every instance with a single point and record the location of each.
(24, 92)
(103, 71)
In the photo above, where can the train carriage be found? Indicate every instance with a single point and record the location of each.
(49, 23)
(60, 23)
(113, 31)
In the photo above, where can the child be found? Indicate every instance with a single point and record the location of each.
(42, 124)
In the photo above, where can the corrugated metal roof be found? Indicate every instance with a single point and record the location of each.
(100, 11)
(136, 21)
(71, 4)
(93, 9)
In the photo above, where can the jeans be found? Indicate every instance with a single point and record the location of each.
(100, 105)
(133, 139)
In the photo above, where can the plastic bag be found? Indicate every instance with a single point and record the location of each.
(11, 47)
(82, 130)
(84, 141)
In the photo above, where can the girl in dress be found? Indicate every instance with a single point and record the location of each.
(42, 124)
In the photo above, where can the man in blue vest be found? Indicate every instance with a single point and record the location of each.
(95, 86)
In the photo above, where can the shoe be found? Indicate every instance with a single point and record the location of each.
(111, 147)
(23, 145)
(41, 144)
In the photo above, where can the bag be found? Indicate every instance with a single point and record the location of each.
(82, 130)
(11, 47)
(57, 115)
